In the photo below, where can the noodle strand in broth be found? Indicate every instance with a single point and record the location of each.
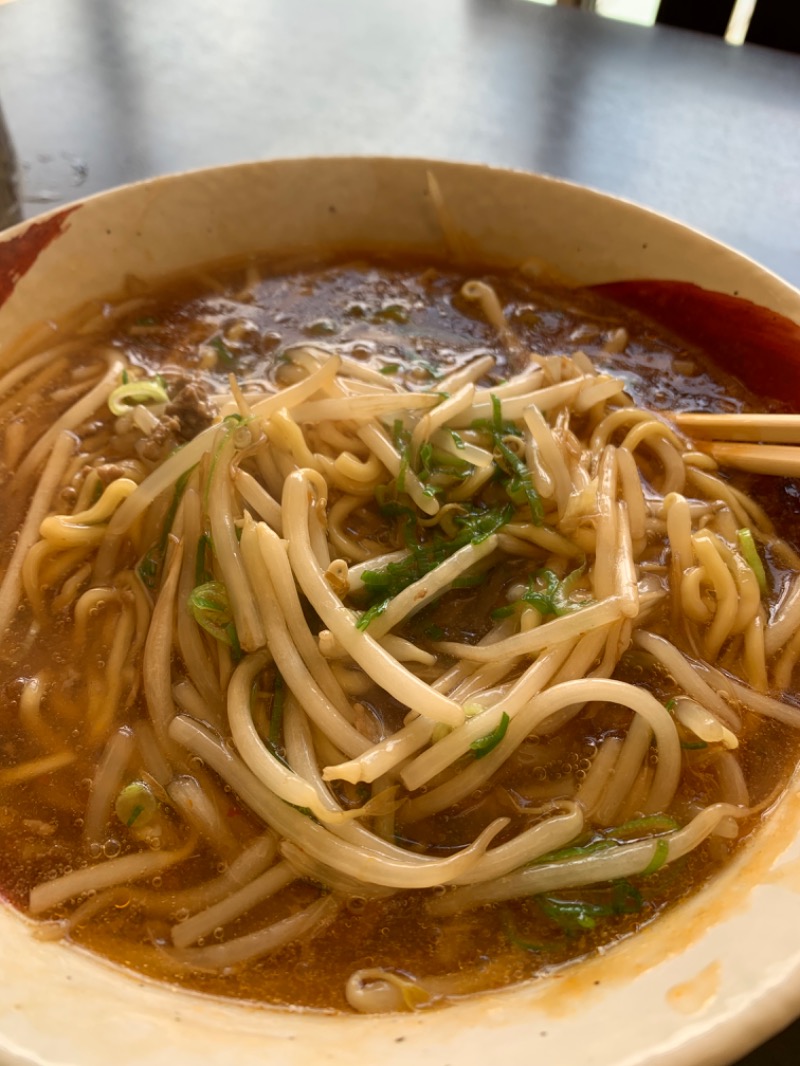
(374, 637)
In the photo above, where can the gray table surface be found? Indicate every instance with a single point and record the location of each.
(100, 92)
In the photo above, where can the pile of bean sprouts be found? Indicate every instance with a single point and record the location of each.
(229, 588)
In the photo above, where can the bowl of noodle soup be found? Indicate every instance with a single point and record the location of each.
(400, 600)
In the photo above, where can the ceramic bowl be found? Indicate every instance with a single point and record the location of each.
(704, 984)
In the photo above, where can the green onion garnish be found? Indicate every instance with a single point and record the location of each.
(752, 558)
(135, 805)
(131, 393)
(211, 609)
(483, 745)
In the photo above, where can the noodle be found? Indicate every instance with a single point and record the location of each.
(440, 625)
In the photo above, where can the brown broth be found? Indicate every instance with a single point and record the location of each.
(412, 322)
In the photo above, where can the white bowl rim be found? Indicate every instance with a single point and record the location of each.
(146, 1022)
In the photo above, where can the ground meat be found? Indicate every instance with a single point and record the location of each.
(161, 440)
(109, 472)
(190, 406)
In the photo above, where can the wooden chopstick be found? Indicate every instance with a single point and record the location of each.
(757, 442)
(781, 460)
(775, 429)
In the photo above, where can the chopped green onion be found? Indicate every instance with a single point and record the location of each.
(437, 461)
(425, 453)
(383, 585)
(372, 613)
(149, 567)
(641, 827)
(549, 595)
(232, 424)
(752, 558)
(468, 581)
(402, 439)
(519, 485)
(131, 393)
(483, 745)
(224, 354)
(495, 425)
(574, 915)
(660, 855)
(135, 805)
(202, 574)
(514, 938)
(211, 610)
(577, 851)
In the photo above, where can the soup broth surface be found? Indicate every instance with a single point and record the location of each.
(93, 672)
